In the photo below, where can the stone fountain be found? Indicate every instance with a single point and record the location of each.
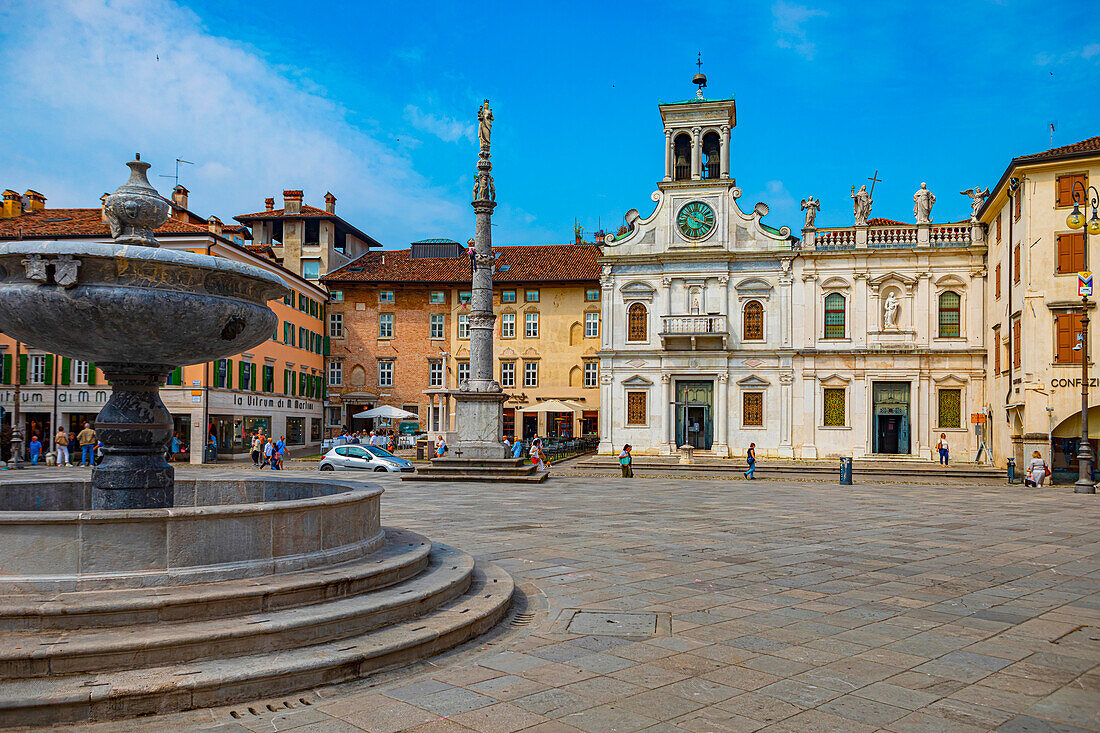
(132, 593)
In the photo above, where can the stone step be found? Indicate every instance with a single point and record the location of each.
(404, 556)
(529, 477)
(484, 462)
(164, 689)
(926, 471)
(41, 654)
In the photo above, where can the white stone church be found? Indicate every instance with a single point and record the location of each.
(720, 331)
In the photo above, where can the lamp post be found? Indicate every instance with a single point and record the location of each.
(1077, 220)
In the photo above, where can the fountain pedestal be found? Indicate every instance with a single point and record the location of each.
(134, 426)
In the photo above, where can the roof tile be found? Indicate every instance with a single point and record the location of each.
(63, 223)
(522, 263)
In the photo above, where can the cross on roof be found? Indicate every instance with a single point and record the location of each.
(874, 179)
(699, 61)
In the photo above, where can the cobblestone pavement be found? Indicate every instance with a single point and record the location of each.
(779, 606)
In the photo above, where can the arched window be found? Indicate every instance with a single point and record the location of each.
(752, 328)
(949, 314)
(636, 326)
(681, 157)
(712, 154)
(834, 316)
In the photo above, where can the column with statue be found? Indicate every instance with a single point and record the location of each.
(479, 401)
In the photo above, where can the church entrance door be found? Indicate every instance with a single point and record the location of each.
(694, 414)
(891, 418)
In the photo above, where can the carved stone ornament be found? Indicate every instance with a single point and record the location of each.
(606, 379)
(482, 320)
(36, 268)
(723, 377)
(786, 378)
(135, 209)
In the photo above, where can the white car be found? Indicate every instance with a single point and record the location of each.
(363, 458)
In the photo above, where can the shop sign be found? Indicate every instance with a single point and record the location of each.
(1084, 283)
(1061, 382)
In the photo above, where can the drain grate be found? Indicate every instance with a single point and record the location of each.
(613, 623)
(523, 619)
(257, 710)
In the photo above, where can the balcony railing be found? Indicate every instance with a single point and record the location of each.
(891, 236)
(693, 325)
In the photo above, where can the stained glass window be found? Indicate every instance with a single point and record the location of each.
(753, 409)
(635, 408)
(834, 316)
(636, 329)
(949, 315)
(753, 329)
(834, 408)
(950, 408)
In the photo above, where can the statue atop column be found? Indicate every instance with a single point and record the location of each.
(977, 199)
(810, 206)
(861, 205)
(923, 200)
(484, 124)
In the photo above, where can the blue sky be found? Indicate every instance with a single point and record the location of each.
(376, 102)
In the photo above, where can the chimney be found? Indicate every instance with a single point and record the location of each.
(179, 196)
(292, 202)
(330, 203)
(12, 206)
(35, 200)
(214, 224)
(269, 204)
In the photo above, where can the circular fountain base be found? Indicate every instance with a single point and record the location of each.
(248, 587)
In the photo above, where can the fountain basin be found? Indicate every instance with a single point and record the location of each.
(221, 528)
(141, 305)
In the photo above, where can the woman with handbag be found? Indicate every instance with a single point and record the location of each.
(1037, 470)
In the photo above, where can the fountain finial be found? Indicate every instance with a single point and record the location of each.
(135, 209)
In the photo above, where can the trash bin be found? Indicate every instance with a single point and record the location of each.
(421, 449)
(1011, 470)
(846, 471)
(211, 454)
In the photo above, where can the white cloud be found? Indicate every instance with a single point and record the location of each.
(789, 22)
(1089, 52)
(98, 80)
(445, 128)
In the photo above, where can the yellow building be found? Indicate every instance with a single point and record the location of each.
(400, 335)
(276, 387)
(1033, 311)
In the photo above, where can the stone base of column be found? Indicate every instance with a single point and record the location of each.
(480, 425)
(721, 450)
(786, 451)
(809, 451)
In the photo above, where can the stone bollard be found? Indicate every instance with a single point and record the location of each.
(687, 455)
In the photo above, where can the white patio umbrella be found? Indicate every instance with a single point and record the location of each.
(388, 412)
(552, 406)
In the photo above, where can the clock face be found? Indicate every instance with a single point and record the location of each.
(696, 220)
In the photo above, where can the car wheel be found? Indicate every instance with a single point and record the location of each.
(327, 467)
(379, 468)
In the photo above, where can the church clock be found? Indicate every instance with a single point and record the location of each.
(696, 220)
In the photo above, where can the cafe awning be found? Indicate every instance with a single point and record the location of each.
(552, 406)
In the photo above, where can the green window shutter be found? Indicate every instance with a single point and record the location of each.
(49, 369)
(22, 368)
(252, 378)
(66, 369)
(242, 383)
(7, 368)
(177, 376)
(229, 373)
(91, 374)
(328, 346)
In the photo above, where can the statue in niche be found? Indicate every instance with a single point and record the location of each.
(695, 303)
(890, 311)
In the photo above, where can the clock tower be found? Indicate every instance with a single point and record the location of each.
(697, 137)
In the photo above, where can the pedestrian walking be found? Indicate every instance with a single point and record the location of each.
(1037, 470)
(280, 445)
(941, 446)
(174, 446)
(88, 440)
(517, 449)
(61, 443)
(268, 450)
(750, 456)
(507, 445)
(626, 462)
(257, 446)
(36, 449)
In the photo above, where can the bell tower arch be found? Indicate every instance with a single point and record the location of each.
(697, 137)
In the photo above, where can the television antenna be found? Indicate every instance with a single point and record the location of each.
(176, 177)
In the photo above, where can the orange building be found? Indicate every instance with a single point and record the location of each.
(276, 388)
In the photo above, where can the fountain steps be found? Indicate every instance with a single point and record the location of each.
(404, 556)
(486, 470)
(174, 687)
(38, 654)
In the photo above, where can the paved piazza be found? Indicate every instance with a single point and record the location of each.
(775, 606)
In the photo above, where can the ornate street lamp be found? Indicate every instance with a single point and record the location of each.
(1077, 220)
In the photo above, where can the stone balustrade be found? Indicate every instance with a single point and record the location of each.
(689, 325)
(892, 236)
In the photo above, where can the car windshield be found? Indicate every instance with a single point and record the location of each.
(380, 452)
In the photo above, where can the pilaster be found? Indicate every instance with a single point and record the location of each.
(721, 415)
(725, 151)
(696, 154)
(668, 155)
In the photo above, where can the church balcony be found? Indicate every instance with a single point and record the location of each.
(694, 332)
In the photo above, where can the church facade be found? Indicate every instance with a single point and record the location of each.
(720, 331)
